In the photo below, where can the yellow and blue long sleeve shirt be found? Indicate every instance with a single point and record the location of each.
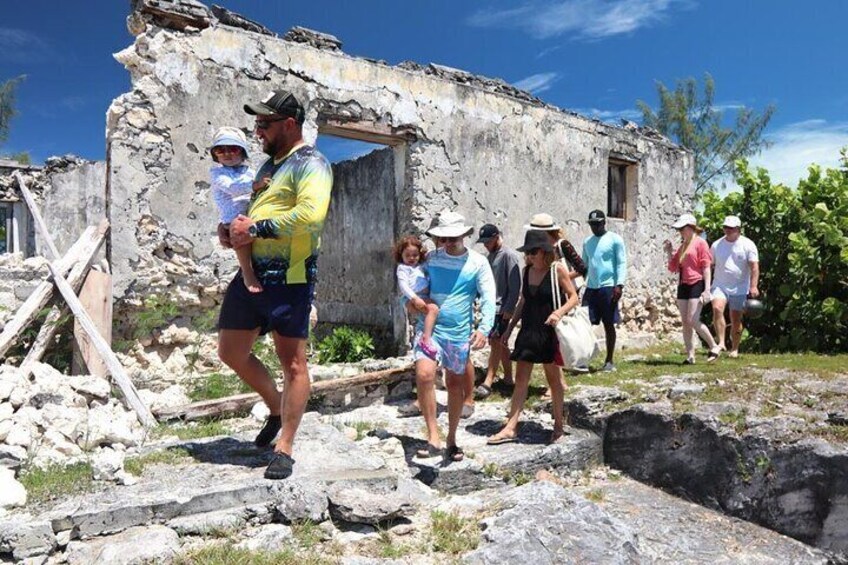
(289, 214)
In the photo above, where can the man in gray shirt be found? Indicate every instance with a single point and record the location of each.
(506, 266)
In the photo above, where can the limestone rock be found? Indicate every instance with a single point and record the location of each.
(685, 389)
(26, 539)
(528, 531)
(91, 386)
(12, 493)
(12, 456)
(58, 442)
(106, 463)
(110, 424)
(209, 522)
(366, 505)
(298, 500)
(137, 545)
(266, 537)
(260, 411)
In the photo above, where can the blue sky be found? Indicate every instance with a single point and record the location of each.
(596, 57)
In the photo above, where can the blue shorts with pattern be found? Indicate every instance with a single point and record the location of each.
(452, 355)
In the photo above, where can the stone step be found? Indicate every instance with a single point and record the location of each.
(484, 465)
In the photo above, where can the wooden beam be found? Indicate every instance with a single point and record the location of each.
(96, 298)
(243, 402)
(117, 371)
(372, 132)
(75, 279)
(86, 246)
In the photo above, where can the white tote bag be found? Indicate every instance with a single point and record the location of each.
(577, 343)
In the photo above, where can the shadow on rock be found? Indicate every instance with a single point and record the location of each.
(229, 451)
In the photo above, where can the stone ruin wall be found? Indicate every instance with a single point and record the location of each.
(472, 144)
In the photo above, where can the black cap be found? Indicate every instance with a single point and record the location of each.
(536, 239)
(280, 102)
(597, 217)
(487, 232)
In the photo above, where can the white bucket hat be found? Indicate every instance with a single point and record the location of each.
(543, 222)
(450, 224)
(685, 220)
(229, 136)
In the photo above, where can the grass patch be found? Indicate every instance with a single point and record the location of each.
(56, 481)
(307, 534)
(595, 495)
(171, 456)
(362, 427)
(452, 534)
(738, 419)
(388, 549)
(194, 430)
(831, 432)
(228, 554)
(216, 385)
(265, 352)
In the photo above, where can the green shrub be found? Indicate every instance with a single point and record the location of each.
(802, 238)
(156, 313)
(345, 345)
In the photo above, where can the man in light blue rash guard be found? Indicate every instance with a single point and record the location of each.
(606, 262)
(457, 277)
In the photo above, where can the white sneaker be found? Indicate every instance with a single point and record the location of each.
(609, 368)
(580, 369)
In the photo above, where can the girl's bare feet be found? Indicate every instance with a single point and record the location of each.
(252, 283)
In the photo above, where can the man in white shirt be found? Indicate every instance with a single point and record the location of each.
(737, 273)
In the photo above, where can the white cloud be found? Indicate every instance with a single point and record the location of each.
(19, 46)
(72, 103)
(585, 19)
(797, 146)
(538, 83)
(610, 115)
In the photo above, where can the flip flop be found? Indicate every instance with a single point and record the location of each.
(454, 454)
(429, 451)
(482, 392)
(495, 440)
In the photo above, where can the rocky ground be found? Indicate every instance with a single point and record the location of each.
(761, 438)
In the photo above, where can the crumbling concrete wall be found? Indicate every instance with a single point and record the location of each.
(472, 144)
(74, 198)
(356, 269)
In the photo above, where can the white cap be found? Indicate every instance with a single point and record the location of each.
(732, 222)
(685, 220)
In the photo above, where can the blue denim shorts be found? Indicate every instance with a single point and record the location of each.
(601, 307)
(282, 308)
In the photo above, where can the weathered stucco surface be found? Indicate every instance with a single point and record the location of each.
(494, 157)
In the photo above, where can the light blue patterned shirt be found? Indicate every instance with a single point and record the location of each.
(606, 260)
(455, 281)
(231, 189)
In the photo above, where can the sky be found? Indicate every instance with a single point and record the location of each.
(596, 57)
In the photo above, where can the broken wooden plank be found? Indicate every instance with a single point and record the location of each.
(81, 251)
(117, 371)
(96, 298)
(243, 402)
(51, 323)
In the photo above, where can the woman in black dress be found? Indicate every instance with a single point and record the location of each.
(536, 341)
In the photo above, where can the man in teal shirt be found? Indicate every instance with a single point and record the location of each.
(606, 262)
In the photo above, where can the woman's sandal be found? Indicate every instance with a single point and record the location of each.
(429, 451)
(499, 439)
(454, 453)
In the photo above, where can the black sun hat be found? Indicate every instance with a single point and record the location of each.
(536, 239)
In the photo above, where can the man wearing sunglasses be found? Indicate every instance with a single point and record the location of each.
(291, 195)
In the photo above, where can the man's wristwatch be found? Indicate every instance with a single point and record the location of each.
(252, 231)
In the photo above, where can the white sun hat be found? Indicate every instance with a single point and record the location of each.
(450, 224)
(732, 222)
(685, 220)
(543, 222)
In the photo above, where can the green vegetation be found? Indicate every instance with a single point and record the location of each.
(595, 495)
(362, 427)
(802, 238)
(8, 91)
(216, 385)
(345, 345)
(695, 122)
(192, 430)
(452, 534)
(171, 456)
(228, 554)
(737, 419)
(56, 481)
(156, 313)
(388, 549)
(307, 534)
(265, 352)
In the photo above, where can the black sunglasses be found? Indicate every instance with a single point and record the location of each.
(265, 124)
(530, 252)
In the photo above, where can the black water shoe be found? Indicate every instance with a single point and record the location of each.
(280, 467)
(268, 432)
